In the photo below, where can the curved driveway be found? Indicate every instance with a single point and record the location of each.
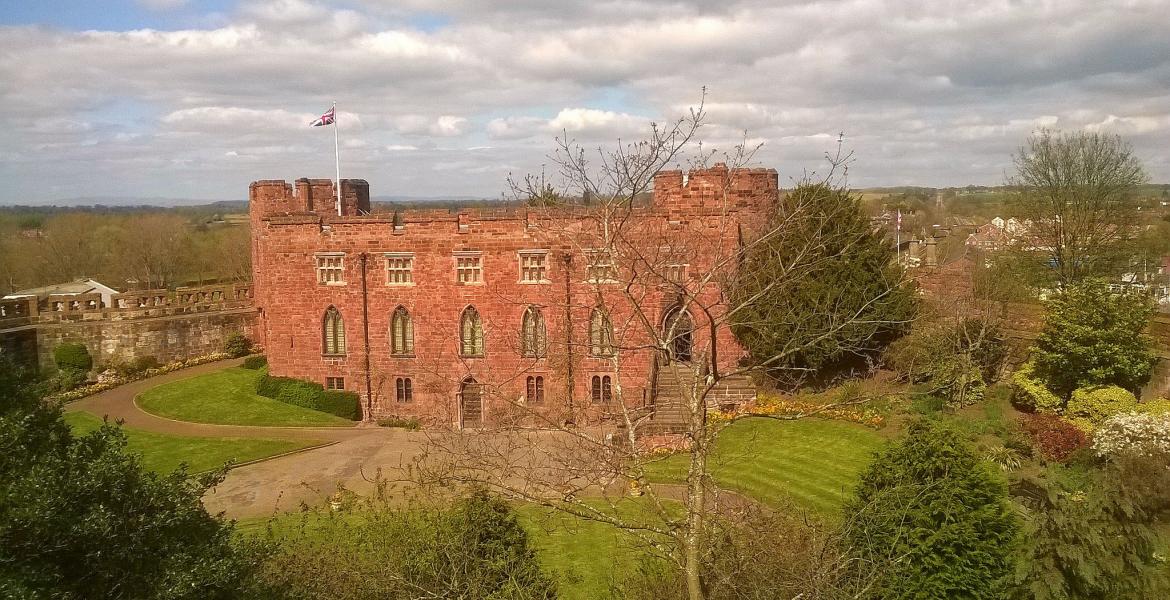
(280, 483)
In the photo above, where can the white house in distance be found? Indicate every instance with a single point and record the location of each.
(72, 288)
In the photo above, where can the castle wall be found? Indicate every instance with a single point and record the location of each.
(292, 303)
(166, 325)
(167, 339)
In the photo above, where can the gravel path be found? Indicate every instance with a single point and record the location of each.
(276, 484)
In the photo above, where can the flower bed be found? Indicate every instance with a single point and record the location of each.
(777, 405)
(117, 380)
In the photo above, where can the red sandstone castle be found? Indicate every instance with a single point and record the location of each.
(461, 317)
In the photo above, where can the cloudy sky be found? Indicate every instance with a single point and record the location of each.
(187, 99)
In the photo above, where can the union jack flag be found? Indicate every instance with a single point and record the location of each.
(325, 119)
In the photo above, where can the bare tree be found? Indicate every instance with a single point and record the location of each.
(1075, 194)
(655, 288)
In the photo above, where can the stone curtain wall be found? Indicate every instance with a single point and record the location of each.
(167, 325)
(164, 338)
(694, 222)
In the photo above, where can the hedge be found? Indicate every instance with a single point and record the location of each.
(1030, 394)
(307, 394)
(72, 355)
(1096, 403)
(256, 362)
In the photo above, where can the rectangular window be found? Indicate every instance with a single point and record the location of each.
(469, 267)
(676, 273)
(335, 383)
(601, 267)
(404, 391)
(331, 268)
(399, 268)
(535, 390)
(533, 266)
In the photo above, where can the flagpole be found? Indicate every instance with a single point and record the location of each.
(337, 157)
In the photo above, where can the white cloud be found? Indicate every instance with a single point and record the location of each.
(926, 92)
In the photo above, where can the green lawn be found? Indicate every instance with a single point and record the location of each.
(584, 557)
(162, 452)
(812, 462)
(228, 397)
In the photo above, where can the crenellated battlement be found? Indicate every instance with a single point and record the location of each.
(273, 197)
(717, 187)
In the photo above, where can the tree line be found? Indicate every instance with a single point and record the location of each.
(137, 250)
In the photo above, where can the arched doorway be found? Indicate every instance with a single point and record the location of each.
(680, 327)
(470, 404)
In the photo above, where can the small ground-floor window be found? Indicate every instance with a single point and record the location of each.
(535, 389)
(335, 383)
(404, 390)
(601, 389)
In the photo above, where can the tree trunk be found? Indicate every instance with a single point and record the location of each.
(696, 497)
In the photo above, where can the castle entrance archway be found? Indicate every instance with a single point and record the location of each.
(679, 327)
(470, 404)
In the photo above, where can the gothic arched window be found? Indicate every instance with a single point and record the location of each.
(533, 335)
(401, 333)
(470, 333)
(600, 334)
(333, 332)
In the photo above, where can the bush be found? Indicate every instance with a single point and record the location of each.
(66, 379)
(307, 394)
(932, 505)
(1052, 437)
(410, 423)
(141, 364)
(1094, 337)
(346, 405)
(759, 554)
(80, 518)
(1029, 393)
(957, 359)
(255, 363)
(237, 345)
(72, 356)
(1133, 433)
(474, 549)
(1095, 404)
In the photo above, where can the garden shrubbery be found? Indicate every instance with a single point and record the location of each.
(255, 363)
(237, 345)
(1053, 437)
(473, 548)
(1089, 407)
(72, 356)
(307, 394)
(1030, 394)
(958, 359)
(930, 504)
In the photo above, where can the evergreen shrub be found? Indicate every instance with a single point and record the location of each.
(931, 503)
(1093, 405)
(255, 363)
(1030, 394)
(308, 394)
(72, 355)
(237, 345)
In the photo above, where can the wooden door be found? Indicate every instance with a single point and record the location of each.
(471, 404)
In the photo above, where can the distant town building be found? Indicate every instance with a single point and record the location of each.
(65, 290)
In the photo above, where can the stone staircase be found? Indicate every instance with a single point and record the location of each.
(673, 385)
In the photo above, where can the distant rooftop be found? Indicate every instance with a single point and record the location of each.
(72, 288)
